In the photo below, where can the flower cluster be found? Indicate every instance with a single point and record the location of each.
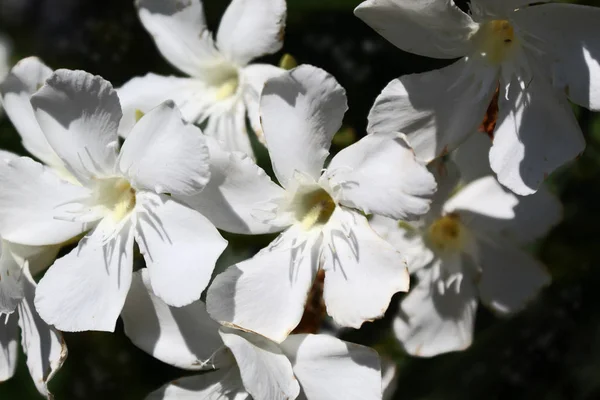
(153, 170)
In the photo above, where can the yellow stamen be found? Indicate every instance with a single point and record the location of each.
(447, 233)
(227, 88)
(495, 39)
(314, 208)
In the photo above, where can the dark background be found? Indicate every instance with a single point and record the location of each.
(549, 351)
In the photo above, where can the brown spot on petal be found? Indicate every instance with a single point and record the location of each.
(491, 116)
(314, 310)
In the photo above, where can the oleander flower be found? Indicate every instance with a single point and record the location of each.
(467, 248)
(120, 195)
(222, 87)
(242, 365)
(534, 57)
(321, 210)
(42, 344)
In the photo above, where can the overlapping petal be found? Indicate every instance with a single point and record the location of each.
(380, 175)
(266, 294)
(86, 289)
(438, 109)
(251, 28)
(300, 111)
(184, 337)
(362, 271)
(79, 114)
(180, 246)
(9, 338)
(164, 154)
(227, 124)
(434, 28)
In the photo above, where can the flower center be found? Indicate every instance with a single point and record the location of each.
(447, 234)
(116, 196)
(313, 207)
(495, 40)
(227, 85)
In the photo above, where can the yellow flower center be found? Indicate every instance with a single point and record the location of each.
(117, 197)
(447, 234)
(495, 40)
(313, 208)
(228, 86)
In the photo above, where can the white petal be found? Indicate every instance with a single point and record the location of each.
(330, 369)
(224, 383)
(86, 289)
(536, 133)
(447, 176)
(437, 110)
(380, 175)
(29, 198)
(435, 319)
(251, 28)
(16, 258)
(510, 277)
(184, 337)
(228, 126)
(389, 378)
(472, 157)
(24, 79)
(164, 154)
(43, 345)
(405, 239)
(180, 247)
(9, 337)
(254, 77)
(300, 112)
(569, 33)
(236, 194)
(265, 370)
(435, 28)
(79, 113)
(362, 271)
(486, 207)
(501, 8)
(142, 94)
(267, 293)
(180, 33)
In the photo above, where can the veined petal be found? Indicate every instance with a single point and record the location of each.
(180, 246)
(184, 337)
(86, 289)
(300, 111)
(405, 239)
(254, 77)
(362, 271)
(237, 193)
(25, 78)
(43, 345)
(9, 338)
(79, 114)
(180, 33)
(330, 369)
(510, 277)
(569, 33)
(435, 28)
(266, 372)
(164, 154)
(143, 93)
(14, 260)
(282, 273)
(227, 124)
(435, 318)
(30, 196)
(380, 175)
(537, 133)
(437, 110)
(224, 383)
(251, 28)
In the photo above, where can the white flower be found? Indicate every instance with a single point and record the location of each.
(300, 112)
(537, 56)
(5, 51)
(465, 249)
(120, 195)
(222, 87)
(42, 344)
(313, 367)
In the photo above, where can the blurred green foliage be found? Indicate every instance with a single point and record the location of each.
(549, 351)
